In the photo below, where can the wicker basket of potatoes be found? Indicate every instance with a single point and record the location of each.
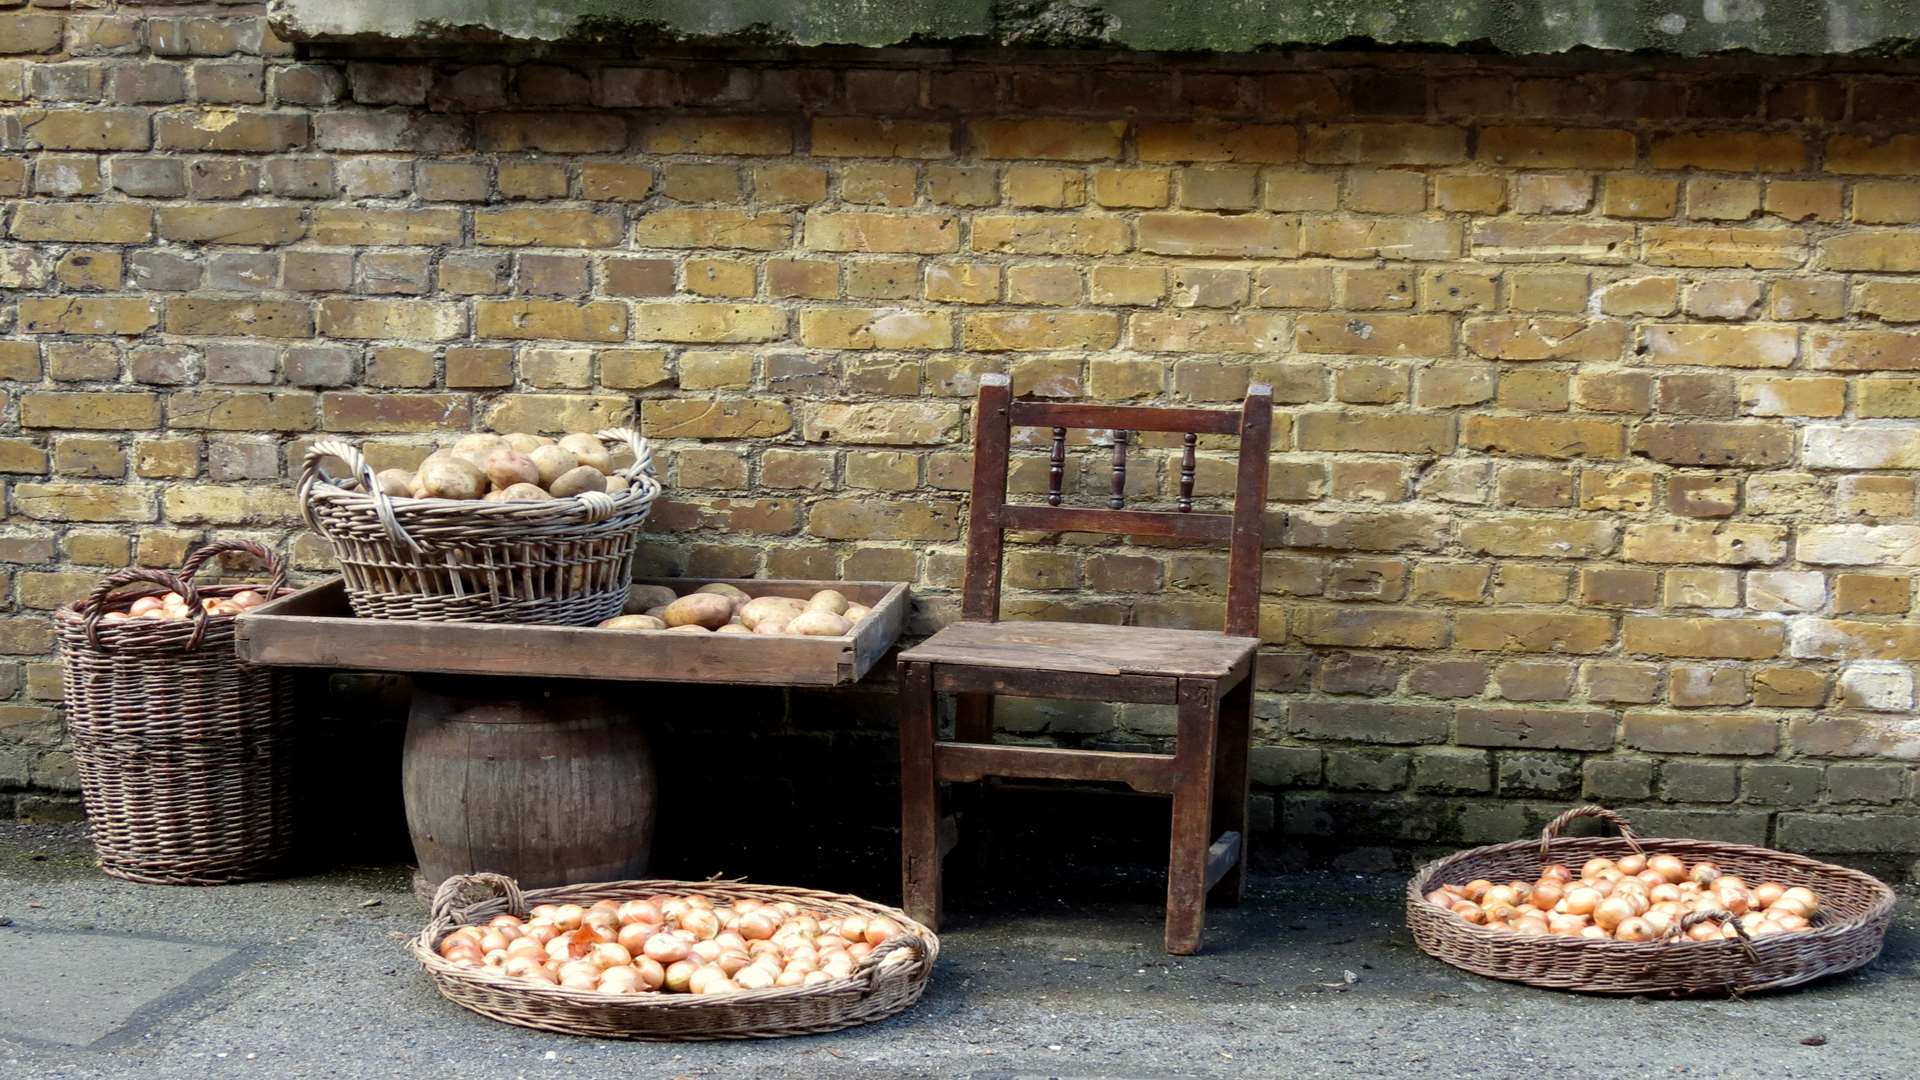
(512, 528)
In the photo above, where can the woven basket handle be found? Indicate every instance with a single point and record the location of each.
(95, 605)
(276, 570)
(642, 451)
(450, 892)
(312, 472)
(1726, 918)
(869, 968)
(1552, 832)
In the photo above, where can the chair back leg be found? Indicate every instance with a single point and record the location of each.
(1230, 775)
(1193, 810)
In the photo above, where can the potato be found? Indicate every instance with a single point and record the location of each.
(770, 626)
(632, 622)
(815, 622)
(509, 467)
(552, 462)
(480, 442)
(762, 608)
(856, 612)
(524, 493)
(659, 611)
(828, 600)
(733, 628)
(580, 478)
(644, 597)
(396, 482)
(734, 594)
(521, 442)
(494, 496)
(699, 609)
(590, 451)
(616, 484)
(451, 478)
(689, 628)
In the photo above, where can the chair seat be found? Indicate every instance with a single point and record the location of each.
(1088, 648)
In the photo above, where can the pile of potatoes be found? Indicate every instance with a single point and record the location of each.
(720, 608)
(508, 468)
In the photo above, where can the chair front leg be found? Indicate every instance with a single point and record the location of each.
(1193, 766)
(1230, 773)
(919, 797)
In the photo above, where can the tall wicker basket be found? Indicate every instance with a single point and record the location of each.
(563, 562)
(185, 753)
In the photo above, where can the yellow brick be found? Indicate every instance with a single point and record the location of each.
(754, 135)
(521, 227)
(559, 320)
(103, 410)
(1046, 140)
(1207, 331)
(1388, 191)
(708, 323)
(1119, 187)
(564, 413)
(84, 502)
(263, 225)
(701, 370)
(223, 410)
(340, 225)
(419, 320)
(718, 418)
(615, 182)
(1893, 155)
(1722, 199)
(89, 269)
(1050, 234)
(1557, 148)
(685, 227)
(1806, 200)
(875, 328)
(1046, 187)
(861, 231)
(194, 315)
(1385, 144)
(1025, 331)
(86, 315)
(1112, 283)
(1757, 249)
(860, 136)
(103, 223)
(962, 282)
(205, 504)
(1375, 335)
(1244, 236)
(1731, 151)
(1624, 195)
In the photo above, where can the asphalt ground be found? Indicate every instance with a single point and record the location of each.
(1315, 976)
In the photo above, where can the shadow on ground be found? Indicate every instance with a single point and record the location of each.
(1050, 969)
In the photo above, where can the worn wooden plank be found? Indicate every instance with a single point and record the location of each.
(1091, 648)
(920, 851)
(965, 762)
(316, 628)
(1223, 858)
(1071, 414)
(1074, 685)
(1170, 524)
(1249, 513)
(980, 587)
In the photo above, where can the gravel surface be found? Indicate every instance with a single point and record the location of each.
(1314, 977)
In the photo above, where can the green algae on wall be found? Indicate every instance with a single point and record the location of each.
(1687, 27)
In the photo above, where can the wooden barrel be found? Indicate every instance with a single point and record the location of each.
(539, 780)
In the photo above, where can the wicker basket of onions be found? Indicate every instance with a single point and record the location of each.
(672, 960)
(1625, 915)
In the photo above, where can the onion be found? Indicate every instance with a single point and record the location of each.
(1704, 873)
(732, 962)
(701, 922)
(1632, 864)
(1583, 900)
(652, 975)
(1612, 911)
(637, 911)
(1546, 894)
(665, 948)
(754, 977)
(1596, 866)
(1767, 892)
(677, 975)
(1635, 929)
(1704, 931)
(541, 974)
(1805, 897)
(633, 936)
(619, 980)
(757, 926)
(610, 955)
(567, 916)
(1470, 911)
(1477, 888)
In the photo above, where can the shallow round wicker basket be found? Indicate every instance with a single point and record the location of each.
(561, 562)
(1848, 930)
(874, 991)
(185, 754)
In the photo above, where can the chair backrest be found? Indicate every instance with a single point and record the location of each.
(997, 414)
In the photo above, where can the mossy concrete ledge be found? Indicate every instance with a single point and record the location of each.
(1685, 27)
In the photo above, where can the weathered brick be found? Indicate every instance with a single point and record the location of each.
(1551, 437)
(882, 424)
(224, 410)
(229, 131)
(91, 410)
(1529, 631)
(1209, 235)
(1739, 152)
(1522, 536)
(524, 226)
(1369, 628)
(1757, 249)
(1552, 729)
(1514, 338)
(1385, 144)
(688, 227)
(1557, 148)
(1732, 734)
(744, 135)
(1506, 240)
(208, 316)
(1703, 443)
(874, 519)
(875, 328)
(861, 136)
(1055, 140)
(123, 316)
(561, 320)
(1730, 639)
(398, 319)
(373, 226)
(100, 223)
(927, 234)
(1031, 331)
(559, 413)
(83, 502)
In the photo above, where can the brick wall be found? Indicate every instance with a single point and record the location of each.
(1594, 474)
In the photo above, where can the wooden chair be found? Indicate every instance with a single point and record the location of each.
(1207, 675)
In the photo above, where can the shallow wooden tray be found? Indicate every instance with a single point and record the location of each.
(315, 628)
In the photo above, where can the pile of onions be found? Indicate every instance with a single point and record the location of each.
(174, 606)
(672, 945)
(1638, 898)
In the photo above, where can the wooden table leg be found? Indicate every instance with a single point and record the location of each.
(1193, 758)
(919, 798)
(1235, 740)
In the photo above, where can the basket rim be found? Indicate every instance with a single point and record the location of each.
(861, 984)
(1423, 878)
(359, 502)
